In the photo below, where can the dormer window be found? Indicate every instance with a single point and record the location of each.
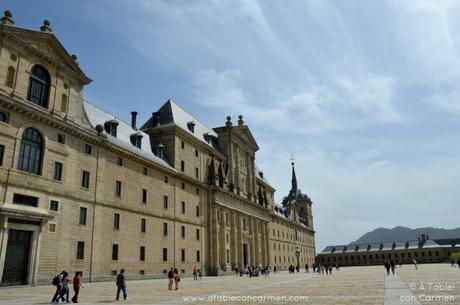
(136, 139)
(191, 126)
(207, 137)
(111, 127)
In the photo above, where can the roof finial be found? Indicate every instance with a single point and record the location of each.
(46, 27)
(229, 121)
(294, 179)
(292, 159)
(7, 19)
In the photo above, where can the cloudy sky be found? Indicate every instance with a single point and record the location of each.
(365, 94)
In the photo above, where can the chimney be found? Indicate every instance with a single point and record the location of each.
(7, 19)
(155, 119)
(46, 27)
(423, 238)
(133, 119)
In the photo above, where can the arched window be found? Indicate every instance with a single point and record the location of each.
(30, 153)
(10, 77)
(39, 84)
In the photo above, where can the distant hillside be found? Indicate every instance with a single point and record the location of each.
(402, 233)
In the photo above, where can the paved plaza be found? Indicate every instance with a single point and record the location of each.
(351, 285)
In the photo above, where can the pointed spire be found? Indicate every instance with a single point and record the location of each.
(294, 179)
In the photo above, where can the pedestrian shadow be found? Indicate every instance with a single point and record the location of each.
(106, 301)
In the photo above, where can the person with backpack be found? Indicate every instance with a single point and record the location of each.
(64, 294)
(170, 279)
(76, 287)
(57, 281)
(121, 285)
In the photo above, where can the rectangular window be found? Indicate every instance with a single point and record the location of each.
(145, 171)
(143, 225)
(182, 254)
(61, 138)
(25, 200)
(144, 196)
(88, 149)
(182, 144)
(183, 185)
(57, 175)
(165, 201)
(198, 255)
(182, 232)
(83, 212)
(116, 221)
(54, 205)
(80, 250)
(197, 173)
(117, 188)
(197, 234)
(182, 165)
(165, 254)
(165, 229)
(183, 207)
(197, 211)
(228, 256)
(120, 161)
(196, 152)
(142, 254)
(2, 152)
(85, 179)
(197, 191)
(114, 252)
(166, 179)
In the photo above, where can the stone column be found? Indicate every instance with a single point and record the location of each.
(3, 244)
(214, 259)
(263, 242)
(252, 169)
(222, 240)
(239, 240)
(267, 243)
(237, 169)
(233, 240)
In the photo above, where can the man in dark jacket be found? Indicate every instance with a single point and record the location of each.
(121, 285)
(170, 278)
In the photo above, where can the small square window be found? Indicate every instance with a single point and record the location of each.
(61, 138)
(120, 161)
(145, 171)
(52, 227)
(88, 149)
(54, 205)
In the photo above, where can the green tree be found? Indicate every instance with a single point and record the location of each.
(455, 255)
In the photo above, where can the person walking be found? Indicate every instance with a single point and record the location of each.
(387, 267)
(176, 279)
(195, 277)
(170, 279)
(306, 268)
(64, 294)
(415, 263)
(121, 285)
(57, 281)
(77, 284)
(393, 266)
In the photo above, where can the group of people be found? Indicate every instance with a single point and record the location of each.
(253, 271)
(61, 281)
(173, 278)
(390, 265)
(196, 272)
(324, 269)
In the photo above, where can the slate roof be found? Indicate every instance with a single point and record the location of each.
(97, 116)
(399, 245)
(173, 114)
